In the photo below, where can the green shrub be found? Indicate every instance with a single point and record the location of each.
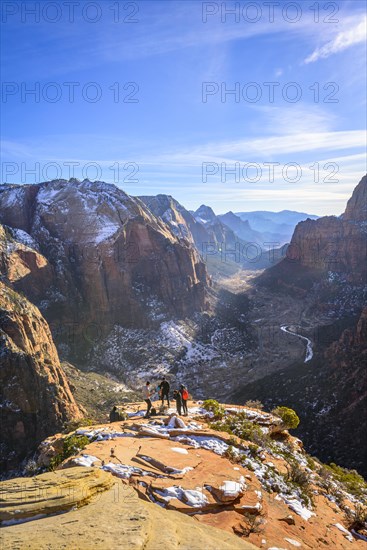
(310, 462)
(297, 475)
(31, 468)
(332, 489)
(251, 523)
(254, 449)
(220, 427)
(232, 455)
(357, 517)
(288, 416)
(353, 482)
(71, 446)
(245, 429)
(238, 424)
(211, 405)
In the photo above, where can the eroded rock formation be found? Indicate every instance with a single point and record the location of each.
(338, 245)
(35, 397)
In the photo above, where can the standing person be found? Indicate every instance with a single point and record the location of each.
(184, 396)
(147, 395)
(178, 398)
(114, 414)
(165, 387)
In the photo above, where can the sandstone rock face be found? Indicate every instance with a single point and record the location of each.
(352, 344)
(35, 396)
(50, 493)
(356, 209)
(111, 261)
(331, 244)
(22, 266)
(335, 244)
(181, 221)
(114, 518)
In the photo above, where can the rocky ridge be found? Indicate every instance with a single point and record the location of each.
(254, 487)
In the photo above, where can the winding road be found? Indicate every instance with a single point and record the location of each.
(309, 351)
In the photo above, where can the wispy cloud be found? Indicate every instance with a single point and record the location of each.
(300, 118)
(264, 147)
(260, 149)
(355, 34)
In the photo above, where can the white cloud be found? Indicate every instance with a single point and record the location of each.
(295, 119)
(267, 147)
(356, 34)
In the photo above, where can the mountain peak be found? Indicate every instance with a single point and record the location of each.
(356, 209)
(205, 214)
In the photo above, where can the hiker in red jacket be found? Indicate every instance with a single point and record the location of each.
(184, 396)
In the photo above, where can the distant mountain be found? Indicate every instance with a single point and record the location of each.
(224, 249)
(206, 233)
(218, 232)
(242, 228)
(205, 215)
(276, 226)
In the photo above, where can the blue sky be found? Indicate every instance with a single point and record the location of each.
(169, 140)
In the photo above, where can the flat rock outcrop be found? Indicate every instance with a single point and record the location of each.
(114, 518)
(51, 493)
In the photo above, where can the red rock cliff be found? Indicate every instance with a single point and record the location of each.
(335, 244)
(35, 397)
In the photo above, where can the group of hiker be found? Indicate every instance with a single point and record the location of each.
(180, 396)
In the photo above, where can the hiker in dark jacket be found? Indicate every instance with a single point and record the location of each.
(114, 416)
(164, 387)
(184, 396)
(178, 399)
